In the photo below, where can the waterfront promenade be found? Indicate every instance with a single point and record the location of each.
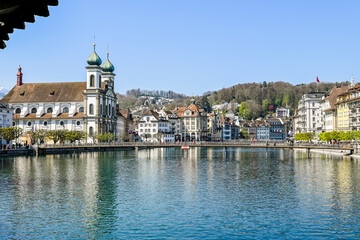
(346, 149)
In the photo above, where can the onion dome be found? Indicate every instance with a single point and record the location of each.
(107, 66)
(94, 59)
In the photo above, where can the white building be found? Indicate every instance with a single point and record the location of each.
(6, 114)
(153, 128)
(308, 115)
(84, 106)
(283, 112)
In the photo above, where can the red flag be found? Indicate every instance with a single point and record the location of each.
(317, 79)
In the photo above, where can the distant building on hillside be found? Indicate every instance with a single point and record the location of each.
(283, 112)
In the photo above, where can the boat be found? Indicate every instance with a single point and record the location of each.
(185, 147)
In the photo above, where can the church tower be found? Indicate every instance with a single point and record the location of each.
(92, 95)
(93, 71)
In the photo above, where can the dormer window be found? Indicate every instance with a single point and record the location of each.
(65, 110)
(33, 110)
(22, 93)
(52, 93)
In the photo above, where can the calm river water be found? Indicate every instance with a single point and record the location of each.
(201, 193)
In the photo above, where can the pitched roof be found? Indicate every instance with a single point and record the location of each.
(194, 108)
(125, 113)
(149, 112)
(79, 115)
(46, 92)
(334, 93)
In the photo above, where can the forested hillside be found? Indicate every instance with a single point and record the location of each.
(258, 99)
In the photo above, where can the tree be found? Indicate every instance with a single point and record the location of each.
(54, 135)
(38, 136)
(265, 105)
(9, 134)
(111, 137)
(244, 133)
(124, 136)
(244, 111)
(308, 136)
(74, 135)
(205, 104)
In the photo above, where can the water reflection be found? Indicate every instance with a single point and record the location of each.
(169, 192)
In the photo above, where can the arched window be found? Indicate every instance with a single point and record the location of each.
(91, 109)
(18, 110)
(101, 109)
(81, 109)
(99, 81)
(92, 80)
(65, 110)
(33, 110)
(109, 110)
(49, 110)
(91, 131)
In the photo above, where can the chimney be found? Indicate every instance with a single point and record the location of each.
(19, 77)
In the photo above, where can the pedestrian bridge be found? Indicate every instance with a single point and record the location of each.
(343, 148)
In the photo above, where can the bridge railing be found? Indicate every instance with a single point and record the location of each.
(198, 143)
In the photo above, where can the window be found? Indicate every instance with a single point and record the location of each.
(18, 110)
(91, 131)
(65, 110)
(92, 81)
(14, 124)
(91, 109)
(45, 123)
(49, 110)
(61, 123)
(33, 110)
(99, 81)
(78, 123)
(29, 124)
(81, 109)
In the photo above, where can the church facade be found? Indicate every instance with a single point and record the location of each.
(88, 106)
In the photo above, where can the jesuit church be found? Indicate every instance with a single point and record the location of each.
(84, 106)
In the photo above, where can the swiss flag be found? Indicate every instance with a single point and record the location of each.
(317, 79)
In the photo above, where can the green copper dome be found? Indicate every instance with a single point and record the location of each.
(94, 59)
(107, 66)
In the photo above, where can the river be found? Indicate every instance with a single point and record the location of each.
(201, 193)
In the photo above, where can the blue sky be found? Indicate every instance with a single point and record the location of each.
(190, 46)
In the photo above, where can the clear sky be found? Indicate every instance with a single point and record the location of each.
(190, 46)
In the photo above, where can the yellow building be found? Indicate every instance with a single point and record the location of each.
(343, 118)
